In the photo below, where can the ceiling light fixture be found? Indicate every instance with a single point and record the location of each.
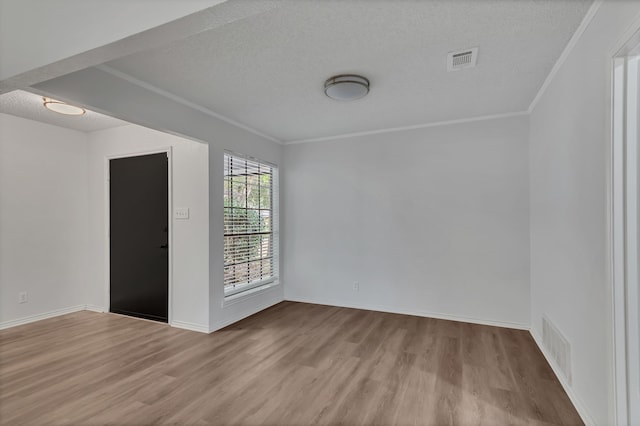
(346, 87)
(62, 107)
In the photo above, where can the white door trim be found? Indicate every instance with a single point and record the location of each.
(622, 236)
(107, 202)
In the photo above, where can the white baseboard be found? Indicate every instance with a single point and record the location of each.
(208, 329)
(201, 328)
(38, 317)
(417, 313)
(95, 308)
(577, 402)
(222, 324)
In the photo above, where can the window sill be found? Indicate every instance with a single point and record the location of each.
(256, 291)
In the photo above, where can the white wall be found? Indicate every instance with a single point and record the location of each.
(104, 92)
(569, 280)
(43, 218)
(190, 188)
(53, 227)
(431, 221)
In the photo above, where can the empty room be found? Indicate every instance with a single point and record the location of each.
(278, 212)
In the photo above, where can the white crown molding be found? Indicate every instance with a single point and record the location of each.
(566, 52)
(412, 127)
(554, 70)
(119, 74)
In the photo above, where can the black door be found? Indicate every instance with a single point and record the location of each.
(139, 225)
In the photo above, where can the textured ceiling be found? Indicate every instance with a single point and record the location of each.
(267, 71)
(29, 105)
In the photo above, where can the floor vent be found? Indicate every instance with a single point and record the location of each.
(462, 59)
(557, 346)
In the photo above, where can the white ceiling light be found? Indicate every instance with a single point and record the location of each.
(61, 107)
(346, 87)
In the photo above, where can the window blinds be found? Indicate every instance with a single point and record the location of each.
(248, 223)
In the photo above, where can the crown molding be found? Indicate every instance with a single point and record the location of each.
(554, 70)
(566, 52)
(119, 74)
(413, 127)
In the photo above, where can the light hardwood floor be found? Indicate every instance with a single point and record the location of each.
(292, 364)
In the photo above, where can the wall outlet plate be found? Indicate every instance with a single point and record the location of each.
(182, 213)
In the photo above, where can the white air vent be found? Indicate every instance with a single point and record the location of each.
(557, 346)
(462, 59)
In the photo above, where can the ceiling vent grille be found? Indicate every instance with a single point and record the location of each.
(462, 59)
(557, 347)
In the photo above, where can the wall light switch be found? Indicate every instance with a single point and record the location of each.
(182, 213)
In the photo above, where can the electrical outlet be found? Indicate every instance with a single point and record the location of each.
(182, 213)
(356, 286)
(22, 297)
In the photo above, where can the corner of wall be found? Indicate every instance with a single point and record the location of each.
(580, 406)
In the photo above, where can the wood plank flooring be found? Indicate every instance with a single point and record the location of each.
(292, 364)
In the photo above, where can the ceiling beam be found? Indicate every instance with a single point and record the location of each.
(44, 40)
(106, 93)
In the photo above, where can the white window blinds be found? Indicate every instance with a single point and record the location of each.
(249, 239)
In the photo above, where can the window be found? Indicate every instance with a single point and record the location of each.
(250, 243)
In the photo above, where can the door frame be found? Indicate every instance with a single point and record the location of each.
(107, 215)
(618, 240)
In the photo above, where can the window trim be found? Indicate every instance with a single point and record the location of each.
(241, 288)
(235, 292)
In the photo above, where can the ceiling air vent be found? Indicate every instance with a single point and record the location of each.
(462, 59)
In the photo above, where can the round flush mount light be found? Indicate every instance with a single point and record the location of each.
(62, 107)
(346, 87)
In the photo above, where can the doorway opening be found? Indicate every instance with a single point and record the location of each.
(625, 227)
(139, 235)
